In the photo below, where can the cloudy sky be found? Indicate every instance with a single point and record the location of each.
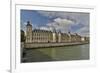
(75, 22)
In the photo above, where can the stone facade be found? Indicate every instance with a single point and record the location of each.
(44, 36)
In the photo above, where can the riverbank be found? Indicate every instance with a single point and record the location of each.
(62, 53)
(43, 45)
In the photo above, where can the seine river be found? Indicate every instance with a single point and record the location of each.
(76, 52)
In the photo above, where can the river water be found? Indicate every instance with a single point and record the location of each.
(65, 53)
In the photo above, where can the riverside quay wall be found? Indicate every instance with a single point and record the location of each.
(43, 45)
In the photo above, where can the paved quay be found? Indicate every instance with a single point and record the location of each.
(43, 45)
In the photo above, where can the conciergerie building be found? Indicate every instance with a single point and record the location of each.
(45, 36)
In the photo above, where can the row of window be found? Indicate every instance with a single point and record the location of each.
(39, 38)
(41, 34)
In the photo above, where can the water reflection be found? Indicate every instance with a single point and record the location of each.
(78, 52)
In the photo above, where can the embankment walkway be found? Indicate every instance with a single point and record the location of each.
(43, 45)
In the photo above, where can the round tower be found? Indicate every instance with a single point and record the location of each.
(54, 35)
(28, 32)
(59, 36)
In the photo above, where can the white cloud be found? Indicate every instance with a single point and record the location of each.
(23, 25)
(47, 13)
(60, 24)
(46, 28)
(63, 22)
(78, 17)
(84, 31)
